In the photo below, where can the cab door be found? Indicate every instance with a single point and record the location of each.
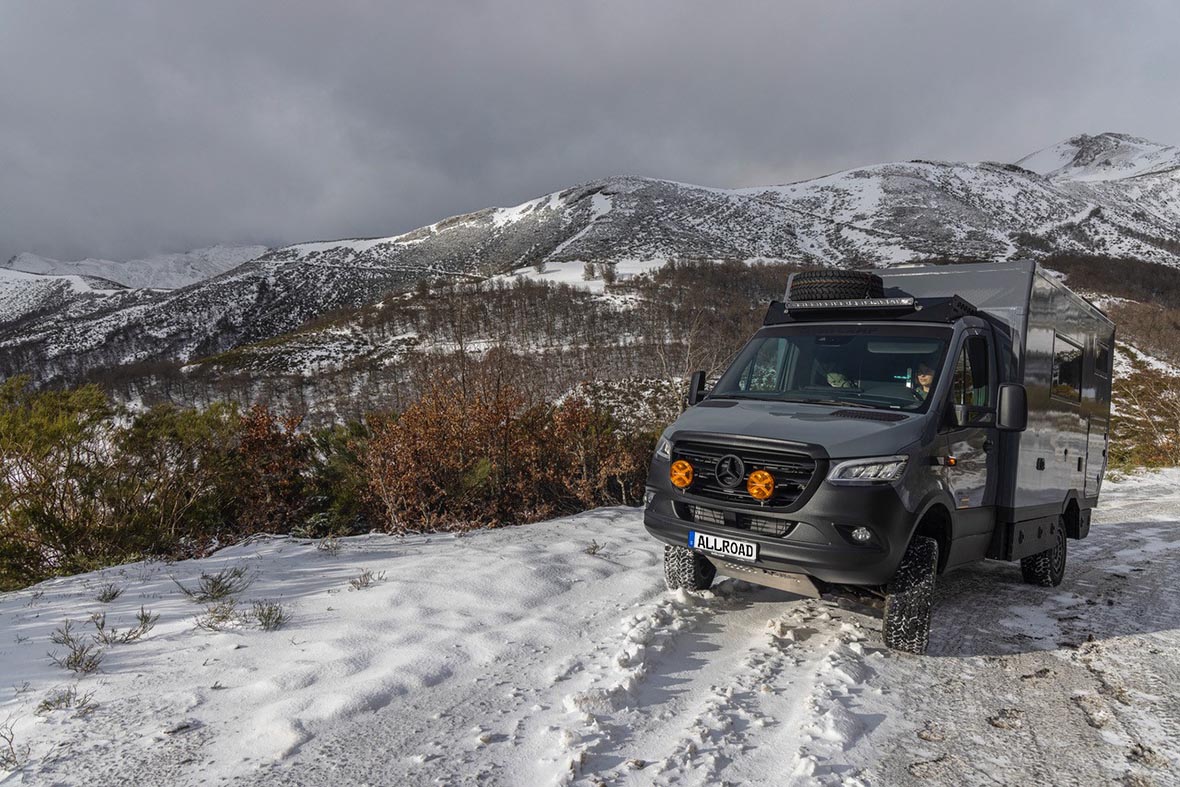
(972, 445)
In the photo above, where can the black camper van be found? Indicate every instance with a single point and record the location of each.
(884, 427)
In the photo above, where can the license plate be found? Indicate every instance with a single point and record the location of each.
(725, 547)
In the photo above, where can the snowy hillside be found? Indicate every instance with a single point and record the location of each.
(551, 654)
(25, 294)
(1106, 156)
(1111, 194)
(162, 271)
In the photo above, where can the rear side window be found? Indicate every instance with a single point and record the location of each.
(1102, 361)
(1067, 369)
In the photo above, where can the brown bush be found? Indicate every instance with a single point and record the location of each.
(273, 468)
(482, 453)
(1146, 427)
(447, 458)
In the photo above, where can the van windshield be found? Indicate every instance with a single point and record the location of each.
(883, 366)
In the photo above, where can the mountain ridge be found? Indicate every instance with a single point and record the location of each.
(161, 271)
(1110, 194)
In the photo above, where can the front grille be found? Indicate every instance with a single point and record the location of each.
(755, 524)
(766, 525)
(792, 472)
(707, 516)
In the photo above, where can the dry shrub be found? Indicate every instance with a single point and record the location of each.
(274, 465)
(1146, 427)
(476, 451)
(451, 458)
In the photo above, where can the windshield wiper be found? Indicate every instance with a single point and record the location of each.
(739, 396)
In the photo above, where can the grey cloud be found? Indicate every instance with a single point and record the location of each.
(132, 128)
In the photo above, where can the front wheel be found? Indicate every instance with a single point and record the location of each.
(1046, 568)
(909, 598)
(684, 568)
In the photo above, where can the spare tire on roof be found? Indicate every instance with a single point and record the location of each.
(835, 285)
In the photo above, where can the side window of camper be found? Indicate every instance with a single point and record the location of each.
(1102, 372)
(972, 386)
(1102, 361)
(1067, 369)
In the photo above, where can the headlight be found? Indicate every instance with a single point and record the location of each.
(664, 449)
(874, 470)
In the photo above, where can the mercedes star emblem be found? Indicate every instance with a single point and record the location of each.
(730, 471)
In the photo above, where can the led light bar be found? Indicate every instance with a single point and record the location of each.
(855, 303)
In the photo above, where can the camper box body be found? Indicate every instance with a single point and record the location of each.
(1060, 347)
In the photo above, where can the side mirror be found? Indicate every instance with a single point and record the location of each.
(696, 388)
(1012, 411)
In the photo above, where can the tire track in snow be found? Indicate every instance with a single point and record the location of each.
(721, 685)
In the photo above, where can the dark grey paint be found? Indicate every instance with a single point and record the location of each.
(841, 437)
(997, 498)
(1027, 307)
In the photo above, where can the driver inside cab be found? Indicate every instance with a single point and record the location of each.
(836, 377)
(925, 376)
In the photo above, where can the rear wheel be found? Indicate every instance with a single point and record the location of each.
(1047, 568)
(909, 598)
(684, 568)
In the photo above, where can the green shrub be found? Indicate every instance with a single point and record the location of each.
(52, 473)
(172, 479)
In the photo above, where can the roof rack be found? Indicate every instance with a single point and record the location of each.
(906, 307)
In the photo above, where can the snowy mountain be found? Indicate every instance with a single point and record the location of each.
(162, 271)
(1109, 194)
(1103, 157)
(28, 294)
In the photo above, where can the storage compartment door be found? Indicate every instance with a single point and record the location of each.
(1096, 446)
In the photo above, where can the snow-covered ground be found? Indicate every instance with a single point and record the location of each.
(551, 653)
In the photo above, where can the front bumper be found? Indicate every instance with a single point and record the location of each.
(819, 543)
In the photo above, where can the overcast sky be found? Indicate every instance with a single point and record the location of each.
(130, 128)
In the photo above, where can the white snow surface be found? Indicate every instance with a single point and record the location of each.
(551, 654)
(161, 271)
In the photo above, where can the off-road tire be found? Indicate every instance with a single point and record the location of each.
(909, 597)
(684, 568)
(1047, 568)
(835, 285)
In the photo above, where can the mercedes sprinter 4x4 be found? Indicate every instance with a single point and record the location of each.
(882, 428)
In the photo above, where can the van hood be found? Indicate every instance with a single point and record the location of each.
(844, 432)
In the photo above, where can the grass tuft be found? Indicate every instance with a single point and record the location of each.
(145, 621)
(215, 587)
(220, 616)
(110, 591)
(69, 699)
(12, 756)
(366, 579)
(270, 615)
(81, 656)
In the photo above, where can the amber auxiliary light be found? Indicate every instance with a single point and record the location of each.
(760, 485)
(681, 474)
